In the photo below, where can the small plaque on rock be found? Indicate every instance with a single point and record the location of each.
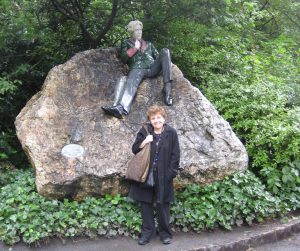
(72, 151)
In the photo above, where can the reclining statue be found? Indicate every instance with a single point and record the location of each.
(144, 61)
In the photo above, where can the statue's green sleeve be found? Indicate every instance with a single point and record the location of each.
(155, 52)
(124, 48)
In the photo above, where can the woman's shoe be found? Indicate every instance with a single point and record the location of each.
(143, 241)
(166, 241)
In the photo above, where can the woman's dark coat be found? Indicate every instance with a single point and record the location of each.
(168, 164)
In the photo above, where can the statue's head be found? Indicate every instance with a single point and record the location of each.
(135, 29)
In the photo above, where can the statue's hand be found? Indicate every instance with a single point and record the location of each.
(137, 44)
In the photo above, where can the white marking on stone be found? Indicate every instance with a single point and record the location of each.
(72, 151)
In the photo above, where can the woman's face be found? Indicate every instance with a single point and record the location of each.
(157, 121)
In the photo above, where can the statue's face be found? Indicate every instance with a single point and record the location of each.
(137, 34)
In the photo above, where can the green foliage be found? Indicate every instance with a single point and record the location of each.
(7, 86)
(27, 216)
(6, 149)
(186, 46)
(238, 199)
(28, 51)
(9, 150)
(255, 97)
(252, 77)
(254, 85)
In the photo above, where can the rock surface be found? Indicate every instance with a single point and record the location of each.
(68, 111)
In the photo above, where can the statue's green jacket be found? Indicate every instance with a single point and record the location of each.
(138, 59)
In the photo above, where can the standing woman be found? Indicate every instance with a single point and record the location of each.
(164, 161)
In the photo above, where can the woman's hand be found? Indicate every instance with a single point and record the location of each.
(147, 140)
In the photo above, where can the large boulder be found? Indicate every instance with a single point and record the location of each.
(79, 151)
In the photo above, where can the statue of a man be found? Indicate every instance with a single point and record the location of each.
(144, 61)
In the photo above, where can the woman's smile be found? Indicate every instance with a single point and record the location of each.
(157, 121)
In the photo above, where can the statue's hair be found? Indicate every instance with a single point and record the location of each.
(133, 25)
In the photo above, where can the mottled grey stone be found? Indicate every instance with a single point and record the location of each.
(68, 110)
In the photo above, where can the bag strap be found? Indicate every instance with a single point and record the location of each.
(146, 128)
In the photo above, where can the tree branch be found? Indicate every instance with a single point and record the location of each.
(109, 21)
(293, 21)
(81, 11)
(268, 21)
(64, 10)
(265, 4)
(87, 35)
(77, 15)
(76, 9)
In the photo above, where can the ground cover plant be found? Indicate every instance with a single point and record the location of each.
(25, 215)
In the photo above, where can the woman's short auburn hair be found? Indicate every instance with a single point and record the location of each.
(154, 110)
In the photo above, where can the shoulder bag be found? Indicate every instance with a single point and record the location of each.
(138, 166)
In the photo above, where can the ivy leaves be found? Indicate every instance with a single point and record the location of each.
(27, 216)
(238, 199)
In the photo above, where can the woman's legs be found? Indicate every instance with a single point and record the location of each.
(148, 226)
(163, 211)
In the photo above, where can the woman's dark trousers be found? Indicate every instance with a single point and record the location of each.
(163, 216)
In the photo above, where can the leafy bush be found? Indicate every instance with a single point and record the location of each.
(27, 216)
(254, 83)
(11, 153)
(254, 95)
(233, 201)
(256, 103)
(185, 46)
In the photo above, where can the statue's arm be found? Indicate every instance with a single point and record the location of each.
(155, 52)
(124, 56)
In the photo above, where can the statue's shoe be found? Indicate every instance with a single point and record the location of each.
(167, 91)
(168, 100)
(112, 111)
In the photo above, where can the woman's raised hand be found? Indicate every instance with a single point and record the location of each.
(148, 139)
